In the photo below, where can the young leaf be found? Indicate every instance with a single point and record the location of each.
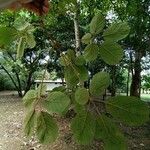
(91, 52)
(86, 38)
(30, 40)
(21, 47)
(21, 24)
(83, 127)
(82, 96)
(29, 122)
(116, 31)
(29, 98)
(130, 110)
(97, 24)
(47, 130)
(111, 53)
(99, 83)
(56, 102)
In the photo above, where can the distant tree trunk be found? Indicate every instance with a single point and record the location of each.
(113, 86)
(29, 82)
(76, 27)
(128, 78)
(136, 77)
(13, 81)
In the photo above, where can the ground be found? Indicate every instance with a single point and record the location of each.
(12, 137)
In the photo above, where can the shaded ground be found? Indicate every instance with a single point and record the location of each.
(12, 138)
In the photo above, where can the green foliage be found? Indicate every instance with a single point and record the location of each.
(117, 142)
(21, 47)
(86, 38)
(109, 132)
(81, 96)
(111, 53)
(97, 24)
(129, 110)
(7, 36)
(29, 122)
(87, 125)
(99, 83)
(71, 76)
(46, 129)
(91, 52)
(83, 127)
(29, 98)
(116, 32)
(56, 102)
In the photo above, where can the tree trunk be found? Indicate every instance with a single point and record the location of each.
(76, 27)
(136, 77)
(113, 85)
(29, 82)
(128, 79)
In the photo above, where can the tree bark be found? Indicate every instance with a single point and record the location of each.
(136, 77)
(113, 85)
(76, 27)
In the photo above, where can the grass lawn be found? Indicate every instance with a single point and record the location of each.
(144, 97)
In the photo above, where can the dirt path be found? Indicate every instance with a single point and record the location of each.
(12, 137)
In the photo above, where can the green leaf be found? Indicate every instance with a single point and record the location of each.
(109, 133)
(118, 142)
(82, 96)
(82, 73)
(86, 38)
(111, 53)
(91, 52)
(7, 36)
(29, 98)
(29, 122)
(21, 24)
(130, 110)
(60, 88)
(71, 76)
(21, 48)
(83, 127)
(56, 102)
(30, 40)
(79, 109)
(47, 130)
(71, 54)
(116, 31)
(64, 60)
(80, 61)
(99, 83)
(105, 128)
(97, 24)
(41, 91)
